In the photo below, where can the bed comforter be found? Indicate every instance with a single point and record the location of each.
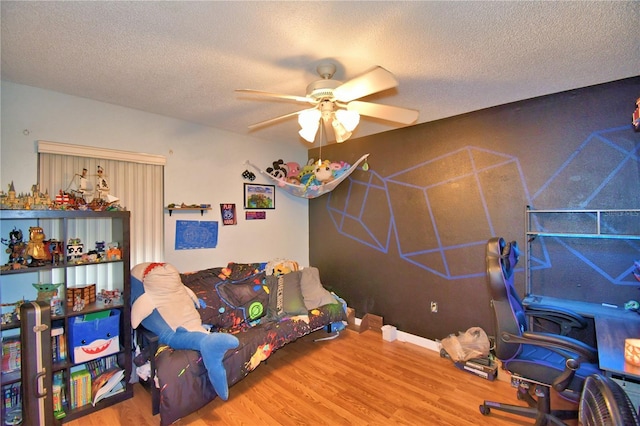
(229, 303)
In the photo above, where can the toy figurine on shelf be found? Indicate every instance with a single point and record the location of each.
(74, 250)
(83, 185)
(14, 314)
(109, 297)
(55, 249)
(35, 247)
(102, 187)
(78, 303)
(16, 249)
(46, 291)
(113, 252)
(100, 249)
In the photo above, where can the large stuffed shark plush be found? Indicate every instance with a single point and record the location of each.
(166, 307)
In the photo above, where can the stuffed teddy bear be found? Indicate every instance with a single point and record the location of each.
(166, 307)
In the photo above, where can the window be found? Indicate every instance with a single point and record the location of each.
(137, 180)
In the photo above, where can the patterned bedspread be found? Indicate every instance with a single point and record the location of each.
(184, 385)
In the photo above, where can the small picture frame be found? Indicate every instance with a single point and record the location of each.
(259, 197)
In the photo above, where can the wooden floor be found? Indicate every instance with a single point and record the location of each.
(356, 379)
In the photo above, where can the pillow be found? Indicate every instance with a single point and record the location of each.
(281, 266)
(285, 296)
(313, 293)
(251, 296)
(227, 305)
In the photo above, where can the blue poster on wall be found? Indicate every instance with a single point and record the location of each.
(193, 234)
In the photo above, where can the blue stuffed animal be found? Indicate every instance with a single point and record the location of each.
(166, 307)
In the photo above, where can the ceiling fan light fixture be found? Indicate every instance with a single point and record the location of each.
(309, 133)
(342, 134)
(309, 118)
(337, 103)
(309, 121)
(349, 119)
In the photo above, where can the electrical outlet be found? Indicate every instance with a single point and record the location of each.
(434, 307)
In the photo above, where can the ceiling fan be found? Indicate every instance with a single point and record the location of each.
(335, 103)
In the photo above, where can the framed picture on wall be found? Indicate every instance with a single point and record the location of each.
(259, 197)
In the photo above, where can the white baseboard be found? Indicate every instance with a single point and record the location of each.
(413, 339)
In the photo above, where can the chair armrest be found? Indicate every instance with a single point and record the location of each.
(554, 341)
(562, 345)
(565, 318)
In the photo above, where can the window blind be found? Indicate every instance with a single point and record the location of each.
(137, 179)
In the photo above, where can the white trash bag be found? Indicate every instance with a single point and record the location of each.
(473, 343)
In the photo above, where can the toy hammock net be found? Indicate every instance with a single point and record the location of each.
(309, 191)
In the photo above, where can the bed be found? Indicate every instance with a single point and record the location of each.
(265, 311)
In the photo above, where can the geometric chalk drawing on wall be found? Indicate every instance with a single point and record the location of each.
(424, 211)
(611, 161)
(366, 193)
(427, 239)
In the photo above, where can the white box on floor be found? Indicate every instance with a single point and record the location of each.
(389, 333)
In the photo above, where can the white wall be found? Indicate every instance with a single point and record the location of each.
(204, 165)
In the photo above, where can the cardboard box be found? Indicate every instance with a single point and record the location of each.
(96, 338)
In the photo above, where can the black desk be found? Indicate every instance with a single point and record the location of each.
(613, 326)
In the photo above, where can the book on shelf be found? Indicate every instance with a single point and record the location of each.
(107, 384)
(99, 365)
(10, 354)
(58, 344)
(12, 396)
(80, 387)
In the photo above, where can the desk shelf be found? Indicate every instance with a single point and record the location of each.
(596, 224)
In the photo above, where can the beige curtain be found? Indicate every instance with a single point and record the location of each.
(136, 179)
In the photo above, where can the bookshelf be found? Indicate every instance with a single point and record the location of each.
(94, 263)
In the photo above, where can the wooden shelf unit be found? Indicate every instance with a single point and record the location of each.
(90, 227)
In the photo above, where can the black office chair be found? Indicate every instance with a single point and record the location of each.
(537, 361)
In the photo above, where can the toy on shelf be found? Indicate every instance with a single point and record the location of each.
(83, 185)
(74, 250)
(102, 187)
(56, 306)
(110, 296)
(78, 304)
(100, 248)
(16, 248)
(35, 200)
(55, 250)
(113, 251)
(35, 247)
(46, 291)
(14, 314)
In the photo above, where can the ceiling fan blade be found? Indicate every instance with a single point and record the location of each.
(375, 80)
(384, 112)
(277, 95)
(273, 120)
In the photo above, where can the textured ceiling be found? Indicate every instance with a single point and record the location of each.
(184, 59)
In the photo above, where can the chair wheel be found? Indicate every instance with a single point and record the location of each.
(485, 410)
